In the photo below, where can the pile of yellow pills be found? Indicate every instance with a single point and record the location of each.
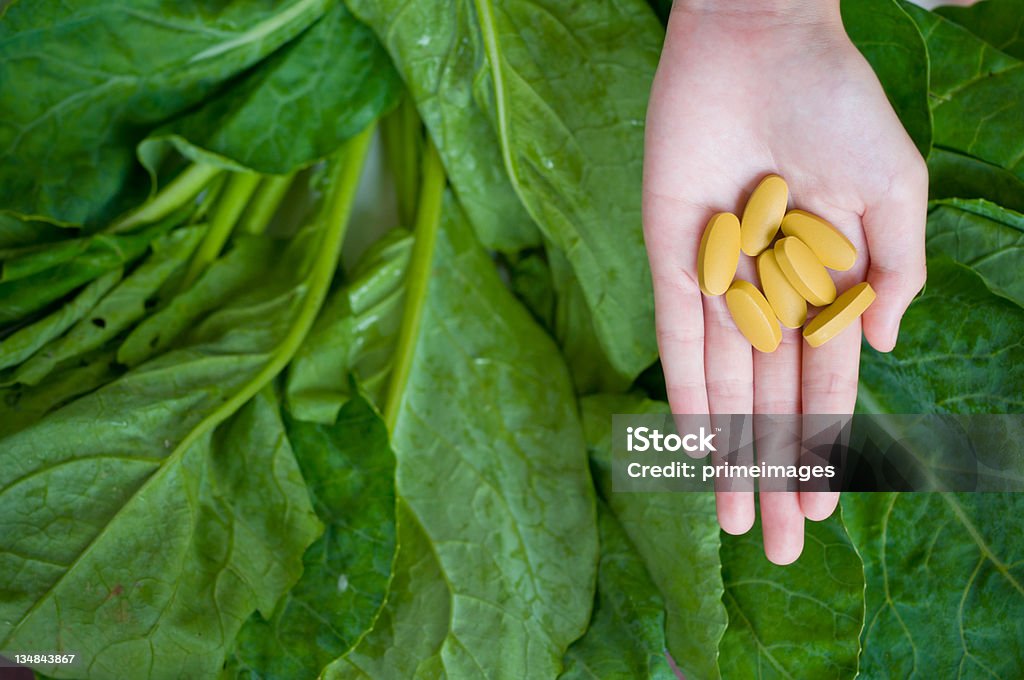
(793, 269)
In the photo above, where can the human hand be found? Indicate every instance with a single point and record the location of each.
(745, 89)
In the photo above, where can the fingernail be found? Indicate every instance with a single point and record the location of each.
(895, 336)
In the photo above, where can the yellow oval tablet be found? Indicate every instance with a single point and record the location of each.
(719, 254)
(786, 302)
(763, 214)
(753, 316)
(805, 271)
(828, 243)
(840, 314)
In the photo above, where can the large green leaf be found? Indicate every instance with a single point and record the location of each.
(349, 469)
(437, 48)
(890, 41)
(971, 84)
(626, 637)
(999, 22)
(145, 513)
(944, 571)
(676, 536)
(799, 621)
(492, 464)
(74, 107)
(569, 121)
(299, 105)
(959, 351)
(984, 237)
(355, 334)
(148, 562)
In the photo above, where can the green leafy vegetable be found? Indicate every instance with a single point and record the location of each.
(626, 637)
(104, 253)
(437, 48)
(169, 58)
(972, 365)
(319, 90)
(120, 308)
(984, 237)
(154, 533)
(223, 454)
(355, 334)
(968, 87)
(818, 600)
(676, 536)
(528, 515)
(570, 129)
(349, 470)
(999, 22)
(23, 343)
(956, 175)
(890, 41)
(944, 575)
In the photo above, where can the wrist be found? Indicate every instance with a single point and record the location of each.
(763, 14)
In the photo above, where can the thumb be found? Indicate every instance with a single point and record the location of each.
(895, 230)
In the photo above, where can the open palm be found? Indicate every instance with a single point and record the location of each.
(736, 98)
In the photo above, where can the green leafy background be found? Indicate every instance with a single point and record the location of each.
(224, 455)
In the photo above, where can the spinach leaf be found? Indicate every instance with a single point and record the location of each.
(675, 534)
(549, 289)
(104, 253)
(984, 237)
(26, 341)
(999, 22)
(801, 620)
(968, 87)
(349, 469)
(120, 308)
(960, 351)
(17, 233)
(71, 109)
(129, 459)
(892, 44)
(944, 574)
(488, 417)
(956, 175)
(569, 123)
(413, 627)
(239, 270)
(626, 636)
(300, 104)
(140, 541)
(355, 334)
(437, 48)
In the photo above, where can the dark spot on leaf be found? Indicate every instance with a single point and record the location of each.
(150, 303)
(101, 323)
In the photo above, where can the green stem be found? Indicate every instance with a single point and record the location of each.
(182, 189)
(333, 221)
(232, 202)
(403, 141)
(428, 220)
(263, 207)
(209, 200)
